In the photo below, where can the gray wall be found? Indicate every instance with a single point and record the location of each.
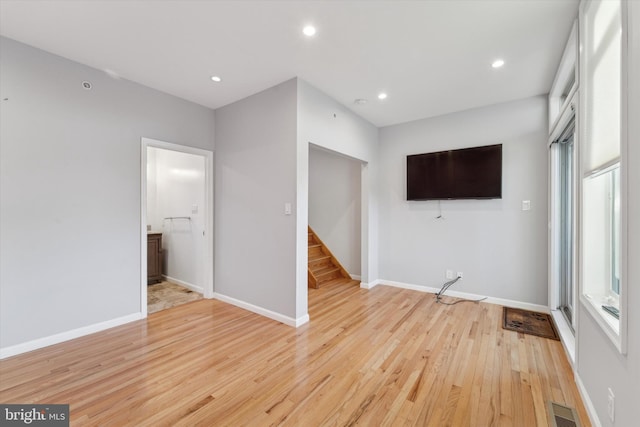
(599, 364)
(255, 243)
(334, 205)
(501, 249)
(70, 189)
(262, 162)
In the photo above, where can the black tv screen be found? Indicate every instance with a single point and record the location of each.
(469, 173)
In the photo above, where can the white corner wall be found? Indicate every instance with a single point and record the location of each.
(501, 249)
(334, 205)
(175, 186)
(324, 122)
(255, 175)
(70, 188)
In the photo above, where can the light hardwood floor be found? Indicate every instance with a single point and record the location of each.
(383, 356)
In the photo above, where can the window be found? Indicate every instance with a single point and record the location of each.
(601, 233)
(602, 79)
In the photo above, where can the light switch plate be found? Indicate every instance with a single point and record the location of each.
(526, 205)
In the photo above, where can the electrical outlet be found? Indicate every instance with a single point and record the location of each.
(449, 274)
(611, 405)
(460, 274)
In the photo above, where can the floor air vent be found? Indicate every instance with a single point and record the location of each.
(562, 416)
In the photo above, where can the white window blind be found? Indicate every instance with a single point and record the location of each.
(602, 54)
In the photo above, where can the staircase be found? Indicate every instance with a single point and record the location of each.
(323, 266)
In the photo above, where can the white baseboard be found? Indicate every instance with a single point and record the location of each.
(302, 320)
(290, 321)
(588, 404)
(187, 285)
(567, 338)
(369, 285)
(407, 286)
(509, 303)
(355, 276)
(66, 336)
(490, 300)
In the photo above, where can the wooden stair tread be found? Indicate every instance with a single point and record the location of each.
(322, 266)
(325, 271)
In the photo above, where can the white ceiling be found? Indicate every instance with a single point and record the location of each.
(431, 57)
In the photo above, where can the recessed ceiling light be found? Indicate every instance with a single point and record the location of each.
(382, 95)
(497, 63)
(309, 30)
(216, 79)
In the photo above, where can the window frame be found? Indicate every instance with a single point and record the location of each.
(615, 329)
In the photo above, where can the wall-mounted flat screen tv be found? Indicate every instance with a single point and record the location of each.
(469, 173)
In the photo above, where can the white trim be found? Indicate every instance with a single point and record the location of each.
(187, 285)
(553, 215)
(570, 110)
(370, 285)
(143, 229)
(588, 404)
(290, 321)
(368, 240)
(568, 65)
(355, 276)
(490, 300)
(566, 336)
(624, 177)
(66, 336)
(409, 286)
(610, 326)
(554, 209)
(302, 320)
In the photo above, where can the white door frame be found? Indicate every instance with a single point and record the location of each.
(208, 214)
(554, 207)
(364, 205)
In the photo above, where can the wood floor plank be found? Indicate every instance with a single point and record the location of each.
(384, 356)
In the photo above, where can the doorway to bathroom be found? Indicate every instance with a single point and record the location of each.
(177, 224)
